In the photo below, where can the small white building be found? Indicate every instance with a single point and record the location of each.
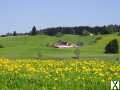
(63, 44)
(91, 34)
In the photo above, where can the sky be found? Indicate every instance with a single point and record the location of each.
(22, 15)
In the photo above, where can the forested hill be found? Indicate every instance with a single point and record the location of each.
(81, 30)
(77, 30)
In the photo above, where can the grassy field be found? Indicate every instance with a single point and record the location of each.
(33, 64)
(57, 75)
(38, 46)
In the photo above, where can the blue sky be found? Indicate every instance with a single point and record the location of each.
(21, 15)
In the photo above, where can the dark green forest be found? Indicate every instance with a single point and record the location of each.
(76, 30)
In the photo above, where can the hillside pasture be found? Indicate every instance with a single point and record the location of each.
(40, 46)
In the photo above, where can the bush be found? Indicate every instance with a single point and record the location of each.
(3, 35)
(59, 34)
(98, 38)
(118, 34)
(112, 47)
(1, 46)
(49, 45)
(77, 53)
(79, 43)
(39, 55)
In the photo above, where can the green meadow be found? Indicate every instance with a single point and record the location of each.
(31, 63)
(40, 46)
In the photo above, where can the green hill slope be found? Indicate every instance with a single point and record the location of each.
(38, 46)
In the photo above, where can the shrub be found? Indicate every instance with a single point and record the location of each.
(112, 47)
(97, 39)
(77, 53)
(39, 55)
(118, 34)
(79, 43)
(47, 45)
(1, 46)
(3, 35)
(59, 34)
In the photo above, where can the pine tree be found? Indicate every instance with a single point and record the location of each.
(14, 33)
(34, 31)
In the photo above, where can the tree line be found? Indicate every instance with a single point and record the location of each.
(77, 30)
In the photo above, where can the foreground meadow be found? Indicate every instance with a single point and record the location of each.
(57, 74)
